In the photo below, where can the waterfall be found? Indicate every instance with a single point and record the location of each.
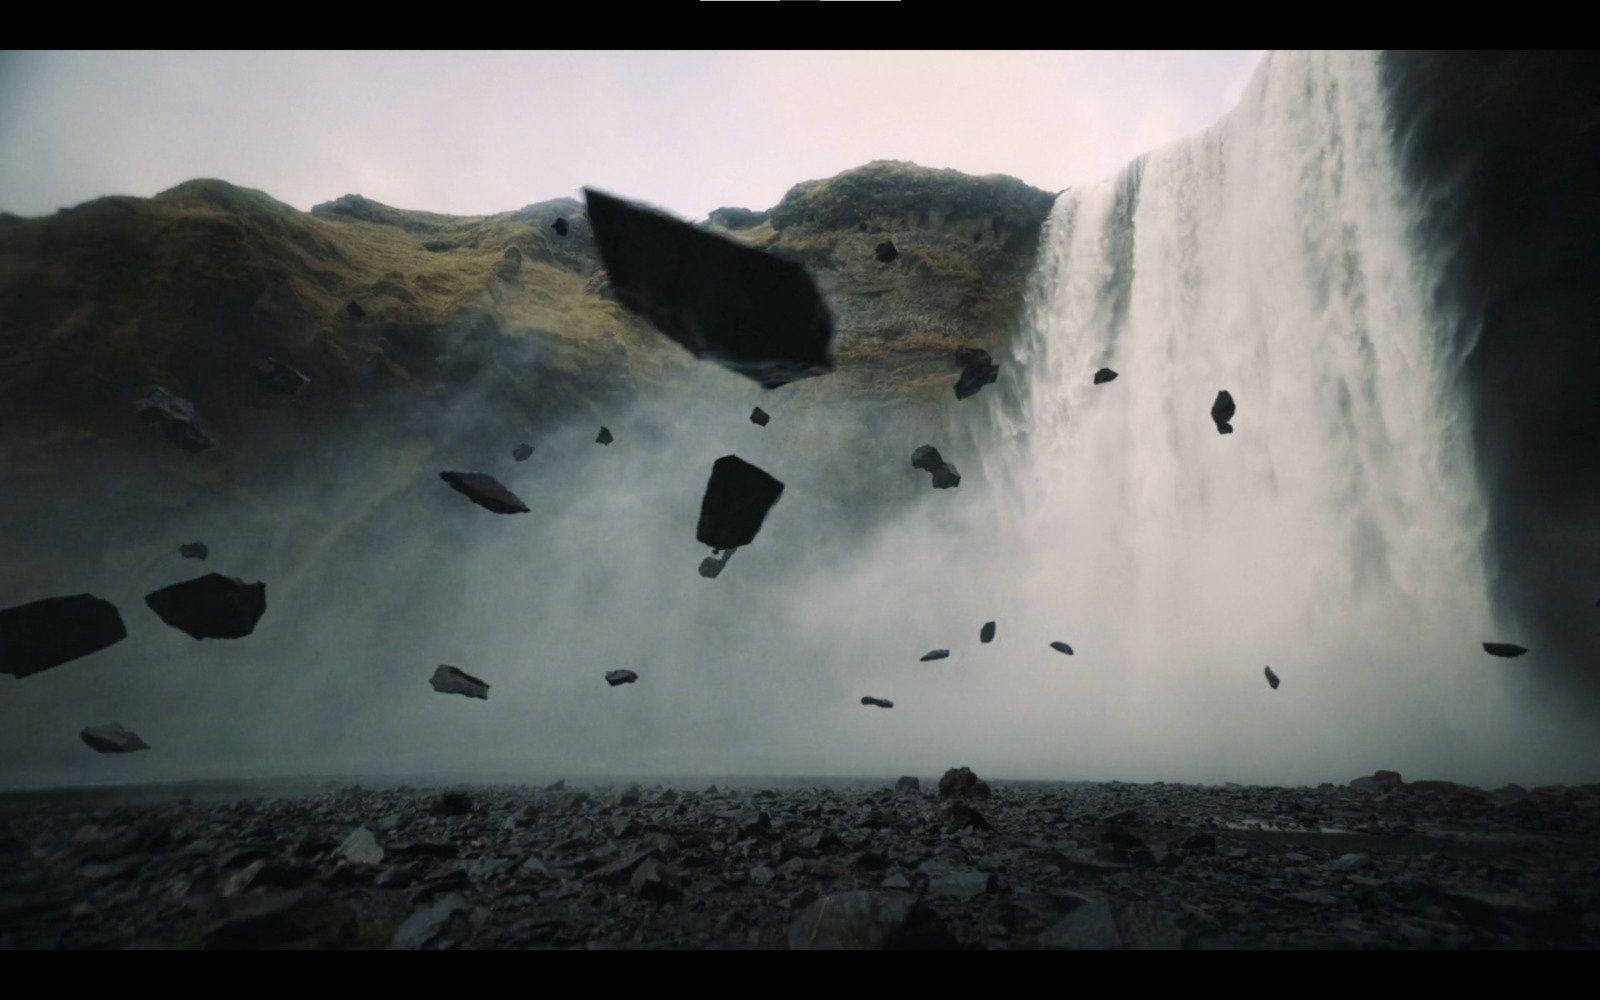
(1337, 535)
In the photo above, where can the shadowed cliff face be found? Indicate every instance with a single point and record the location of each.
(1503, 149)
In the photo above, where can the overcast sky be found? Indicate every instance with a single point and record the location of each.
(481, 132)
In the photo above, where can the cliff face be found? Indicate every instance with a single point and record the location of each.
(1505, 149)
(400, 317)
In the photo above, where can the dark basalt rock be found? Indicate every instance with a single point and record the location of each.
(1061, 647)
(937, 654)
(986, 634)
(975, 377)
(449, 680)
(887, 252)
(44, 634)
(211, 606)
(604, 436)
(560, 226)
(485, 491)
(754, 313)
(176, 417)
(112, 738)
(1222, 412)
(1272, 679)
(522, 452)
(735, 504)
(961, 783)
(274, 376)
(1103, 376)
(880, 702)
(759, 417)
(1505, 649)
(618, 677)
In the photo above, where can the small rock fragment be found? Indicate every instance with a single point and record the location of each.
(616, 677)
(1061, 647)
(937, 654)
(211, 606)
(1504, 649)
(605, 436)
(176, 417)
(361, 847)
(880, 702)
(430, 925)
(711, 566)
(485, 491)
(194, 550)
(975, 377)
(886, 252)
(560, 226)
(759, 417)
(522, 452)
(736, 502)
(1272, 679)
(112, 738)
(276, 377)
(1222, 412)
(56, 630)
(449, 680)
(1103, 376)
(946, 477)
(987, 633)
(869, 921)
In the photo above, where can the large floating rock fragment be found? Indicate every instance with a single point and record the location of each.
(194, 550)
(1505, 649)
(986, 634)
(485, 491)
(928, 459)
(966, 357)
(449, 680)
(1272, 679)
(276, 377)
(880, 702)
(112, 738)
(1222, 412)
(870, 921)
(975, 377)
(946, 477)
(176, 417)
(937, 654)
(736, 502)
(211, 606)
(604, 436)
(522, 452)
(746, 309)
(56, 630)
(1103, 376)
(619, 677)
(759, 417)
(1061, 647)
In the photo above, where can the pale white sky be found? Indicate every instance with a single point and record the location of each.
(480, 132)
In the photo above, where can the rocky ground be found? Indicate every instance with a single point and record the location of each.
(1377, 863)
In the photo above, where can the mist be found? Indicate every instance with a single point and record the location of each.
(1336, 536)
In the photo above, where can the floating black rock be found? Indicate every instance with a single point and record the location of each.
(937, 654)
(926, 458)
(1505, 649)
(880, 702)
(1104, 375)
(975, 377)
(560, 226)
(211, 606)
(485, 491)
(194, 550)
(759, 417)
(48, 633)
(1061, 647)
(1222, 412)
(946, 477)
(966, 357)
(1272, 679)
(711, 566)
(113, 738)
(750, 311)
(449, 680)
(987, 633)
(522, 452)
(616, 677)
(605, 437)
(176, 417)
(737, 500)
(887, 252)
(274, 376)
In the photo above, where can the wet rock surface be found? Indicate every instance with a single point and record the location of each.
(1386, 864)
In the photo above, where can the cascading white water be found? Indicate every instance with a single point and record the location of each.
(1336, 535)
